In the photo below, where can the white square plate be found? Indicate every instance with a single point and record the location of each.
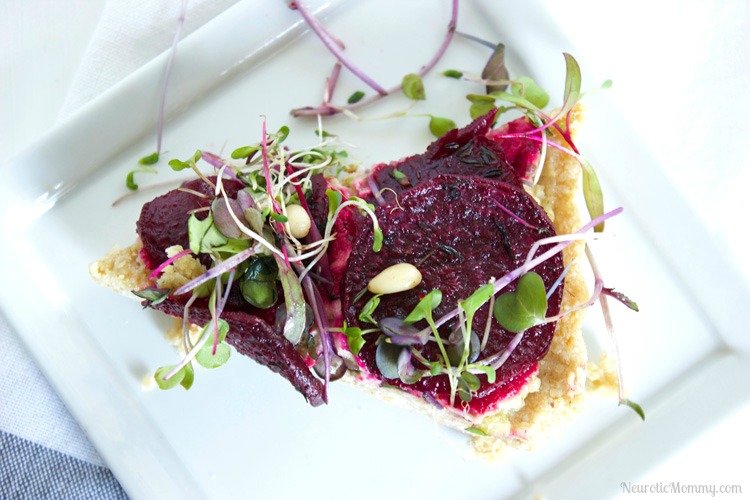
(241, 431)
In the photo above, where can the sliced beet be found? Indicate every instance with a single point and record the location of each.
(452, 230)
(163, 223)
(254, 336)
(465, 151)
(521, 152)
(163, 220)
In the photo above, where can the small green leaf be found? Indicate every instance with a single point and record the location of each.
(377, 239)
(203, 235)
(413, 87)
(526, 87)
(635, 407)
(207, 359)
(323, 133)
(621, 297)
(425, 307)
(294, 299)
(439, 126)
(283, 133)
(519, 101)
(464, 391)
(592, 193)
(130, 182)
(334, 200)
(572, 93)
(366, 314)
(453, 73)
(154, 296)
(477, 299)
(354, 338)
(397, 174)
(189, 376)
(480, 108)
(472, 381)
(150, 159)
(386, 359)
(524, 308)
(476, 431)
(245, 152)
(178, 165)
(355, 97)
(173, 381)
(488, 371)
(279, 217)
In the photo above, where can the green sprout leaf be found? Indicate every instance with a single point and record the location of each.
(203, 235)
(488, 371)
(130, 181)
(524, 308)
(635, 407)
(621, 297)
(480, 108)
(354, 338)
(366, 314)
(154, 296)
(355, 97)
(279, 217)
(149, 159)
(592, 193)
(413, 87)
(572, 92)
(386, 358)
(294, 298)
(245, 151)
(377, 239)
(439, 126)
(207, 359)
(173, 381)
(526, 87)
(476, 431)
(334, 200)
(453, 73)
(178, 165)
(398, 175)
(424, 309)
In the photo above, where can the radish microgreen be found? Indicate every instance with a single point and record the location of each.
(413, 87)
(526, 307)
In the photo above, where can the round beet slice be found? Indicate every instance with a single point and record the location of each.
(457, 231)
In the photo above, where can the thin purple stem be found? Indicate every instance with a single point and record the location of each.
(517, 218)
(167, 262)
(328, 110)
(532, 263)
(334, 47)
(168, 74)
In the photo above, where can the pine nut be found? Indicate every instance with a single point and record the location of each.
(299, 222)
(396, 278)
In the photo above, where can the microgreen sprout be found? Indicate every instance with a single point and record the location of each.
(327, 108)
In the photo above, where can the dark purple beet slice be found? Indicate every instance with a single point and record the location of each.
(163, 220)
(522, 153)
(254, 337)
(163, 223)
(463, 151)
(451, 229)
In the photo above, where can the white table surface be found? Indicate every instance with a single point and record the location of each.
(42, 43)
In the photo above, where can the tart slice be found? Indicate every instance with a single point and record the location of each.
(401, 282)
